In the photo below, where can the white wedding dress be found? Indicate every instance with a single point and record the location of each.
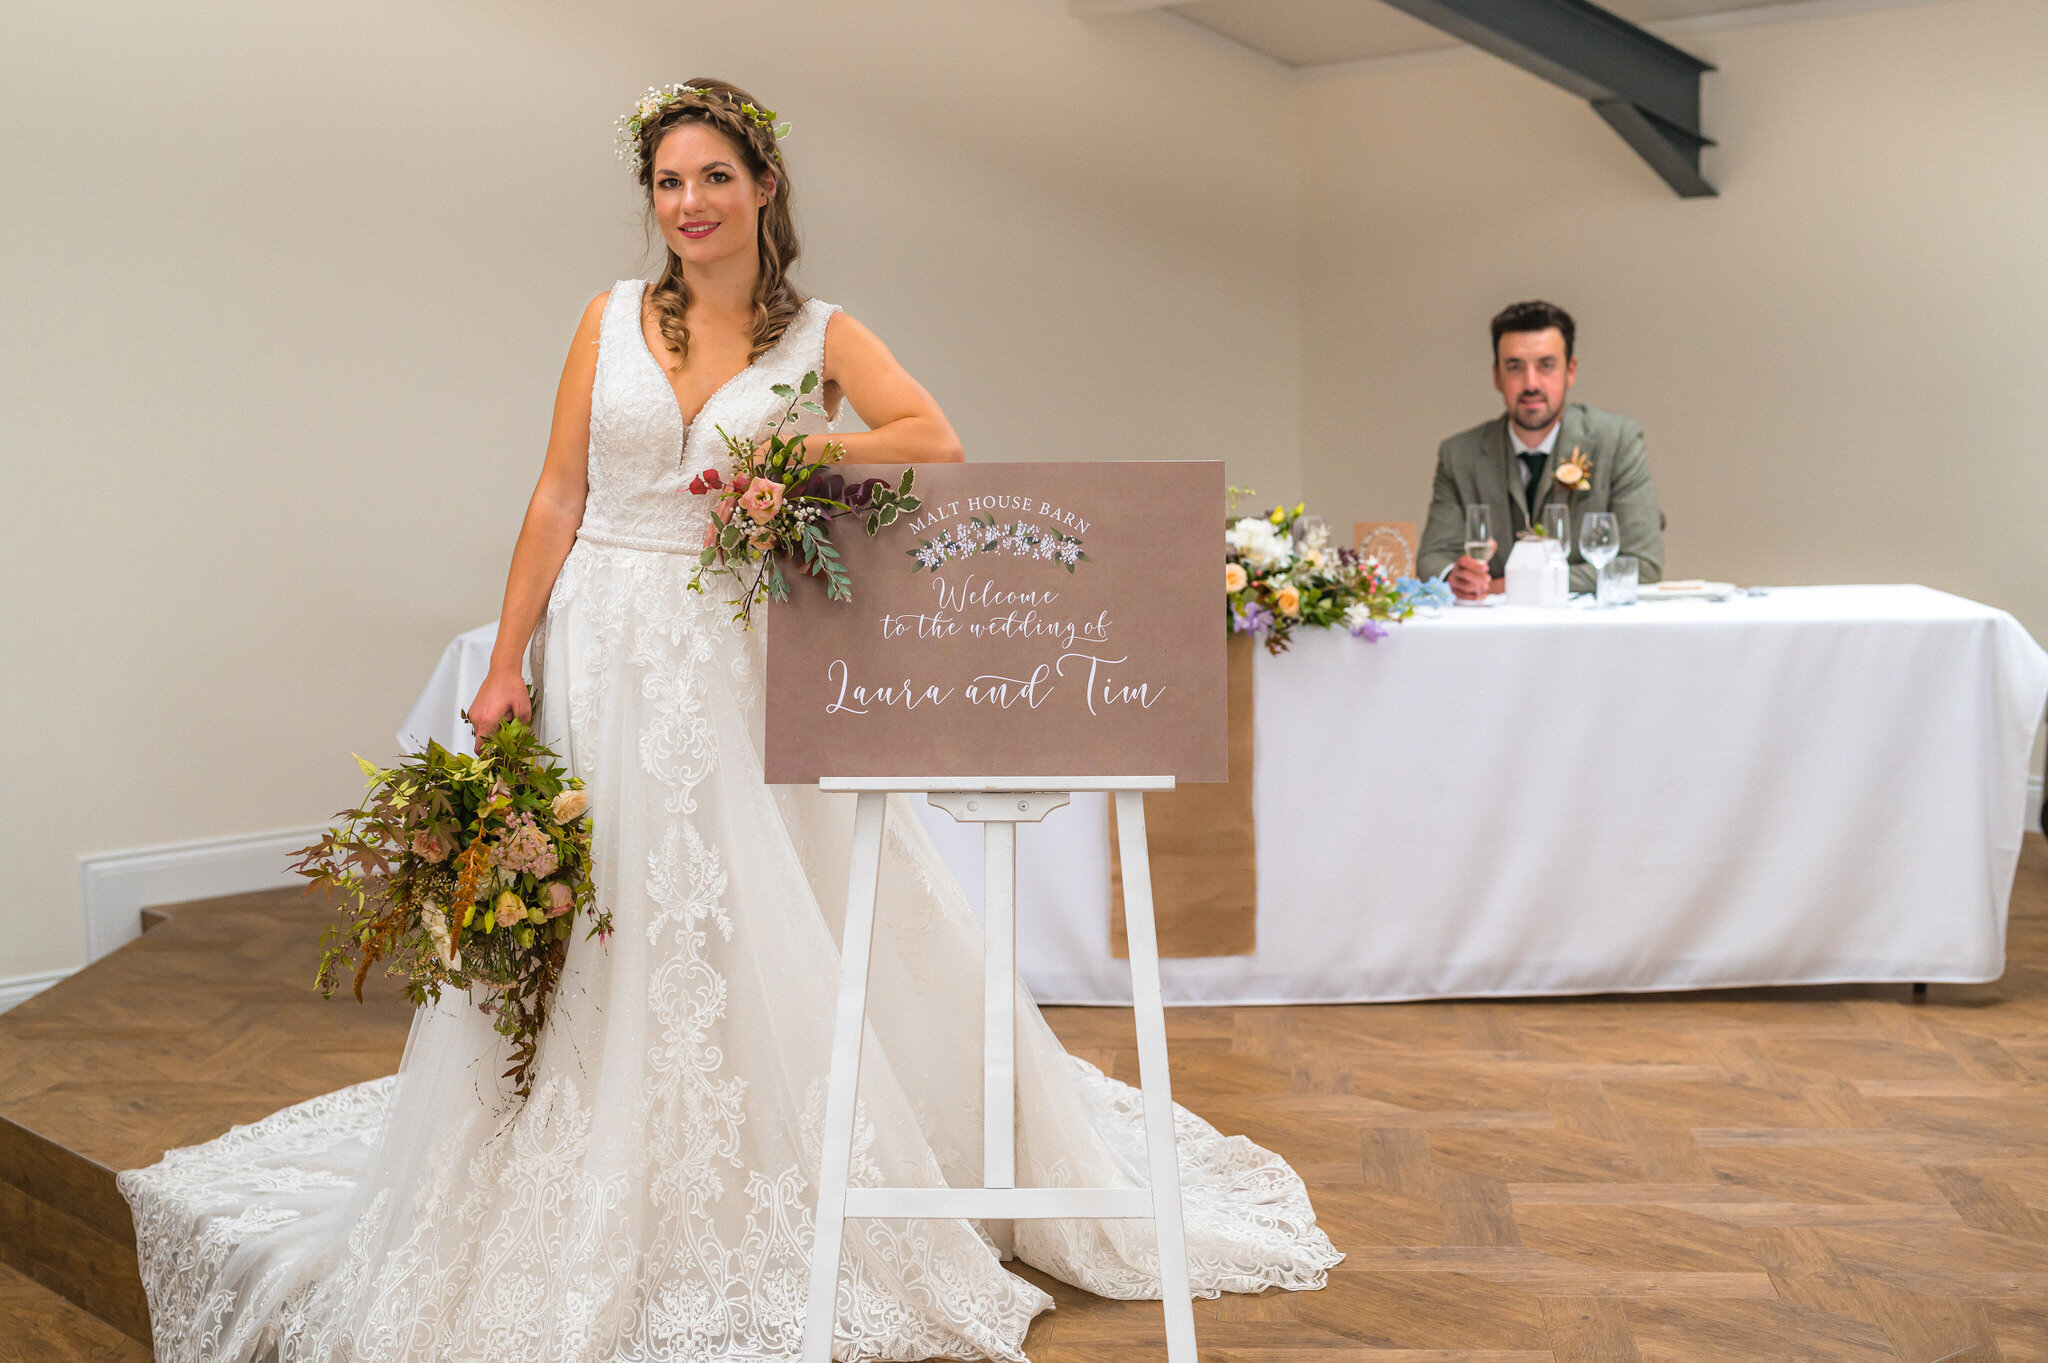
(653, 1198)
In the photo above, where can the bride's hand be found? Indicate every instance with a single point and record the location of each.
(502, 695)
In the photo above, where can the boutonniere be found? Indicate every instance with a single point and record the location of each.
(1576, 472)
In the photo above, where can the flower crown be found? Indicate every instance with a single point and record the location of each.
(655, 100)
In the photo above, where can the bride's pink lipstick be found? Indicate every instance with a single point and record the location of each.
(695, 230)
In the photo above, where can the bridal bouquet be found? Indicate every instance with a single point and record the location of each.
(1279, 573)
(778, 506)
(463, 871)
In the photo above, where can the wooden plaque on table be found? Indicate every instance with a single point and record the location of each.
(1392, 542)
(971, 650)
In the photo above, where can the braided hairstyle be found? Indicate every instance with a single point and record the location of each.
(775, 300)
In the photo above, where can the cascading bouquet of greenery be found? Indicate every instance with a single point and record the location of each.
(1275, 580)
(779, 504)
(463, 871)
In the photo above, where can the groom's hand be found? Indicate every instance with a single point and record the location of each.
(1470, 579)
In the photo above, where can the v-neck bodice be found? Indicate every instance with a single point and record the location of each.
(642, 456)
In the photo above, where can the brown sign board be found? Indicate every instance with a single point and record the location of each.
(980, 642)
(1391, 542)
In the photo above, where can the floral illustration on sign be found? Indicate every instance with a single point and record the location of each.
(987, 535)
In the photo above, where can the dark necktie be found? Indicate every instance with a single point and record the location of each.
(1532, 469)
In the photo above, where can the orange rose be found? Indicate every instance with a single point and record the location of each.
(1289, 599)
(1233, 577)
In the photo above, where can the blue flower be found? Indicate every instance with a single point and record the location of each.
(1417, 593)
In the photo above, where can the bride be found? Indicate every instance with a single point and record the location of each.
(652, 1198)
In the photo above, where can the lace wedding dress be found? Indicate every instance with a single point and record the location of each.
(652, 1199)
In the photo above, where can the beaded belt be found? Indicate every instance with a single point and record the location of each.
(648, 542)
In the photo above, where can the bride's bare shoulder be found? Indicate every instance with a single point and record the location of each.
(588, 325)
(847, 340)
(579, 371)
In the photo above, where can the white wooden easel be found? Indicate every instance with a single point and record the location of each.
(999, 804)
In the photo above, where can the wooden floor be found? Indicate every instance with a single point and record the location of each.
(1758, 1175)
(205, 1021)
(38, 1326)
(1812, 1174)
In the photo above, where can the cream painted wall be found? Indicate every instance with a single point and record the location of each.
(1838, 362)
(288, 290)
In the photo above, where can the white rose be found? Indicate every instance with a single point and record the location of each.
(1260, 543)
(436, 921)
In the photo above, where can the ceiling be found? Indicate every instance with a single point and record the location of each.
(1313, 33)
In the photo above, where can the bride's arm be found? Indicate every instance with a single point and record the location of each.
(905, 425)
(552, 515)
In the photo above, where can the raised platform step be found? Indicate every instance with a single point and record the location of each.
(207, 1021)
(38, 1326)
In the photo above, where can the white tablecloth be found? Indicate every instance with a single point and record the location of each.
(1826, 784)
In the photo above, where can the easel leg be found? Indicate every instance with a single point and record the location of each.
(1153, 1079)
(999, 1006)
(856, 944)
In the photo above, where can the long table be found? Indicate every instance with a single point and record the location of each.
(1821, 785)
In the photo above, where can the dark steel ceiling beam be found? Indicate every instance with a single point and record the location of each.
(1646, 89)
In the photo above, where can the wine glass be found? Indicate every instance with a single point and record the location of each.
(1557, 527)
(1599, 539)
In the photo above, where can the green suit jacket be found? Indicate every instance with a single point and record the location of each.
(1476, 466)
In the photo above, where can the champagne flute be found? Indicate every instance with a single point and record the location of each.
(1479, 532)
(1478, 536)
(1599, 539)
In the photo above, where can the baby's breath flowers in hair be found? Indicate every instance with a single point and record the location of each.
(660, 97)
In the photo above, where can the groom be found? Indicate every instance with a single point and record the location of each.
(1519, 463)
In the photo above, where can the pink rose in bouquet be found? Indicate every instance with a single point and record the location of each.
(790, 501)
(762, 499)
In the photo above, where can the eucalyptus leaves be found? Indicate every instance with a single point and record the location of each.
(778, 505)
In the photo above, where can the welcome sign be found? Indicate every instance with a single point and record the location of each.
(1027, 620)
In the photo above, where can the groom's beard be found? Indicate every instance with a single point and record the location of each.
(1536, 426)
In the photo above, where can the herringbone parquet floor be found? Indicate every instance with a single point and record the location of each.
(1770, 1175)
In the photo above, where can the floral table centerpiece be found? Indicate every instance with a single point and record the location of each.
(1276, 579)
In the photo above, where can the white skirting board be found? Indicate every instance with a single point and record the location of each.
(22, 988)
(116, 886)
